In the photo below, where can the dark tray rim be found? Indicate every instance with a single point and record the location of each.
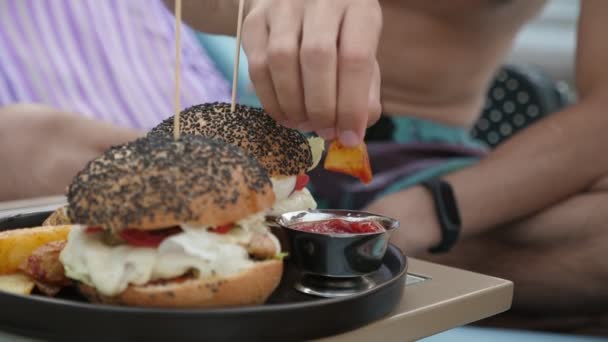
(396, 252)
(392, 249)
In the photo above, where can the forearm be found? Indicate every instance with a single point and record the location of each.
(552, 282)
(211, 16)
(555, 158)
(543, 165)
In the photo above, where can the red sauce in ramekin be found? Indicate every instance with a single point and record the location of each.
(339, 226)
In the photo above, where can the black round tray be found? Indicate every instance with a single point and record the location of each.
(287, 316)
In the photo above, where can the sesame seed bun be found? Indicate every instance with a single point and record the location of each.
(282, 151)
(252, 286)
(156, 182)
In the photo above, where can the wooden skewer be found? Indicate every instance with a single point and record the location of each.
(178, 25)
(237, 55)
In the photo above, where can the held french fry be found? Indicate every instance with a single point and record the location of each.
(351, 161)
(17, 283)
(17, 245)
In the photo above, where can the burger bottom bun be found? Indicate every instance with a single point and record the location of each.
(252, 286)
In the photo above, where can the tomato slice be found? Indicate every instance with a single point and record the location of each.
(143, 238)
(153, 238)
(301, 182)
(93, 230)
(221, 229)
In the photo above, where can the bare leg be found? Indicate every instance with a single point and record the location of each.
(557, 258)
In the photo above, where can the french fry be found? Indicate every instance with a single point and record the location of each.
(353, 161)
(58, 218)
(17, 245)
(317, 146)
(18, 283)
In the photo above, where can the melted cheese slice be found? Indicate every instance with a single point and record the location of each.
(287, 199)
(298, 201)
(283, 187)
(111, 269)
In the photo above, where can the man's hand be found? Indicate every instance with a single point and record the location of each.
(41, 149)
(313, 64)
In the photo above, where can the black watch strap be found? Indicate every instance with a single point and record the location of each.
(447, 213)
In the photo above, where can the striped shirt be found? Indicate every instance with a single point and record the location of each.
(112, 60)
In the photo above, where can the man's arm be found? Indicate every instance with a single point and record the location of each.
(211, 16)
(545, 164)
(42, 148)
(554, 159)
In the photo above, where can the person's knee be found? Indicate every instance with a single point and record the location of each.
(601, 185)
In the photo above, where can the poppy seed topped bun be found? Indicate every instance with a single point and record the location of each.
(156, 182)
(282, 151)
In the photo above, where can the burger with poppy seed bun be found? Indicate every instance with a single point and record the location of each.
(285, 153)
(166, 223)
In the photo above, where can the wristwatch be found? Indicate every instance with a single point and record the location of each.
(447, 213)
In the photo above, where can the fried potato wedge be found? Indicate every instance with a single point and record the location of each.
(58, 218)
(17, 283)
(17, 245)
(353, 161)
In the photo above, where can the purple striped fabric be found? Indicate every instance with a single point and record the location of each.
(108, 59)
